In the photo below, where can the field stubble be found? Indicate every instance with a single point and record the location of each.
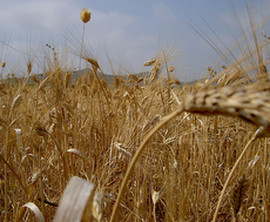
(52, 130)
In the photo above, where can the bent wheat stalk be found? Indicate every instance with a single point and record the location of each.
(232, 171)
(137, 154)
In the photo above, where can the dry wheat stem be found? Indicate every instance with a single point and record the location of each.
(232, 171)
(81, 47)
(85, 17)
(14, 172)
(137, 154)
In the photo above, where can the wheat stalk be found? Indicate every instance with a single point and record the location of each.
(250, 103)
(85, 17)
(232, 171)
(136, 156)
(1, 72)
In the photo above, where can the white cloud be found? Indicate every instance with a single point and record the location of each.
(163, 12)
(41, 21)
(113, 19)
(36, 16)
(118, 34)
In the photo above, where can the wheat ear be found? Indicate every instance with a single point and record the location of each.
(250, 103)
(238, 195)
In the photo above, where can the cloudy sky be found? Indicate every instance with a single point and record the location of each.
(127, 32)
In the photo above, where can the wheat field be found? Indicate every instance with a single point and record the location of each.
(154, 149)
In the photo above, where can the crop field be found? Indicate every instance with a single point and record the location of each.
(154, 149)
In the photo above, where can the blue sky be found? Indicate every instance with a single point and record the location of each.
(128, 32)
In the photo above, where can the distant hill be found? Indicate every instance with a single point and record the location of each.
(107, 77)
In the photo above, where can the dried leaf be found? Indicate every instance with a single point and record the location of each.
(76, 198)
(34, 209)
